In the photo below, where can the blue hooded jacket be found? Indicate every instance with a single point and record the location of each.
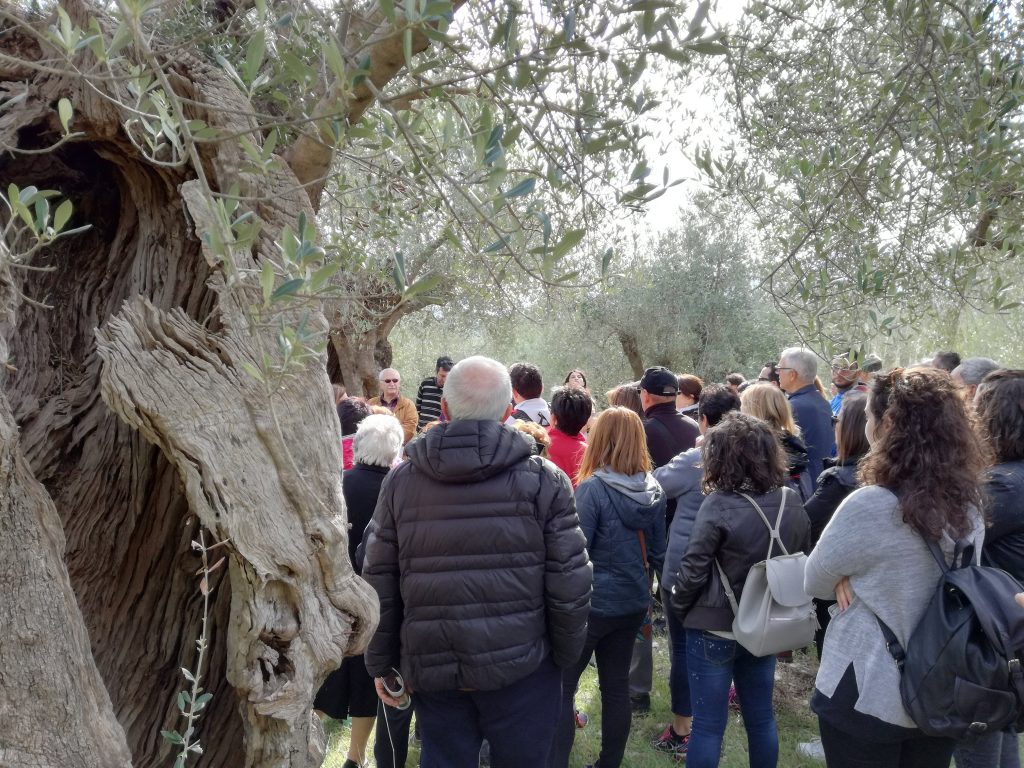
(613, 508)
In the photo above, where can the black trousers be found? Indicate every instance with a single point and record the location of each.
(391, 743)
(843, 750)
(610, 639)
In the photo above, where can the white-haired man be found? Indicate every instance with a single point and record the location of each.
(481, 569)
(391, 398)
(797, 368)
(969, 374)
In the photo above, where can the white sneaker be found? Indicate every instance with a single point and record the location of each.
(812, 750)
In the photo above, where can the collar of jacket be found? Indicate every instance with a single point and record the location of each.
(372, 467)
(660, 408)
(804, 391)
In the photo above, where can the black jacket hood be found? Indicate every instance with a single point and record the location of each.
(468, 451)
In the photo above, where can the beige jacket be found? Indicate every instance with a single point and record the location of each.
(405, 412)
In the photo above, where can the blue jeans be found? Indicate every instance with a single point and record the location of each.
(713, 663)
(518, 721)
(678, 678)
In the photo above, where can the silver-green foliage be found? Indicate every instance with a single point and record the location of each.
(880, 145)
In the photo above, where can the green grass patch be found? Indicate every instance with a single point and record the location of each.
(793, 683)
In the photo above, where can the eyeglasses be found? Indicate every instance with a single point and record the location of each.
(762, 378)
(390, 381)
(783, 368)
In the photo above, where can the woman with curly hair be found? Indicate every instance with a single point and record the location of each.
(999, 413)
(920, 484)
(745, 479)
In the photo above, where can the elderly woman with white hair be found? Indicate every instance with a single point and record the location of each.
(349, 690)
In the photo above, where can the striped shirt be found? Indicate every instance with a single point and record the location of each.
(428, 401)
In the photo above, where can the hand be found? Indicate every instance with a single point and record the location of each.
(378, 683)
(844, 593)
(1019, 597)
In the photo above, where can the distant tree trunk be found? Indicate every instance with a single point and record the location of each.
(631, 349)
(357, 362)
(182, 437)
(360, 342)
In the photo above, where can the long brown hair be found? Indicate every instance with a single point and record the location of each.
(924, 450)
(615, 441)
(851, 433)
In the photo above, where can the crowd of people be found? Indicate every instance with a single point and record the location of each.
(512, 541)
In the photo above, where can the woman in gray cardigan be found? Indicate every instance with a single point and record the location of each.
(921, 481)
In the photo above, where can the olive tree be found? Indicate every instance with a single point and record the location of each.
(879, 145)
(186, 189)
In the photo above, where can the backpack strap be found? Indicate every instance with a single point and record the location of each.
(774, 538)
(643, 551)
(730, 595)
(773, 532)
(892, 643)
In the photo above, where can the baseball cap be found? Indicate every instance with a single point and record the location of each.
(659, 381)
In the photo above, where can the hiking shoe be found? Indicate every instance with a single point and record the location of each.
(671, 743)
(640, 703)
(581, 719)
(811, 749)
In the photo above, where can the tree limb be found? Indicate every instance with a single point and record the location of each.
(311, 155)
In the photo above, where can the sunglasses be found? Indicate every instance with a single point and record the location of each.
(390, 381)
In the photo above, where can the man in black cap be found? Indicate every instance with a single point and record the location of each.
(668, 432)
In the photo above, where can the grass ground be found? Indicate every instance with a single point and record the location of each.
(793, 683)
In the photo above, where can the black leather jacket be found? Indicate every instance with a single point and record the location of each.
(729, 529)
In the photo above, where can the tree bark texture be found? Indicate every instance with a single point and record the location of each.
(56, 710)
(181, 437)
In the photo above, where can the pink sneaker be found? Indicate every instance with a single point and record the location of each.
(671, 743)
(734, 699)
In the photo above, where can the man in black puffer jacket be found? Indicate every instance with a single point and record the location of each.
(481, 569)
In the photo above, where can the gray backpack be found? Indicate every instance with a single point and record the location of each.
(774, 612)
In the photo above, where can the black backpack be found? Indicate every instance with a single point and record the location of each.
(961, 672)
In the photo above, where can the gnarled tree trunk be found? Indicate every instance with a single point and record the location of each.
(56, 710)
(182, 436)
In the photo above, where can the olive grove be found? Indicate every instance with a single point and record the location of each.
(204, 205)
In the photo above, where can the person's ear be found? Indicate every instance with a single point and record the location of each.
(504, 416)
